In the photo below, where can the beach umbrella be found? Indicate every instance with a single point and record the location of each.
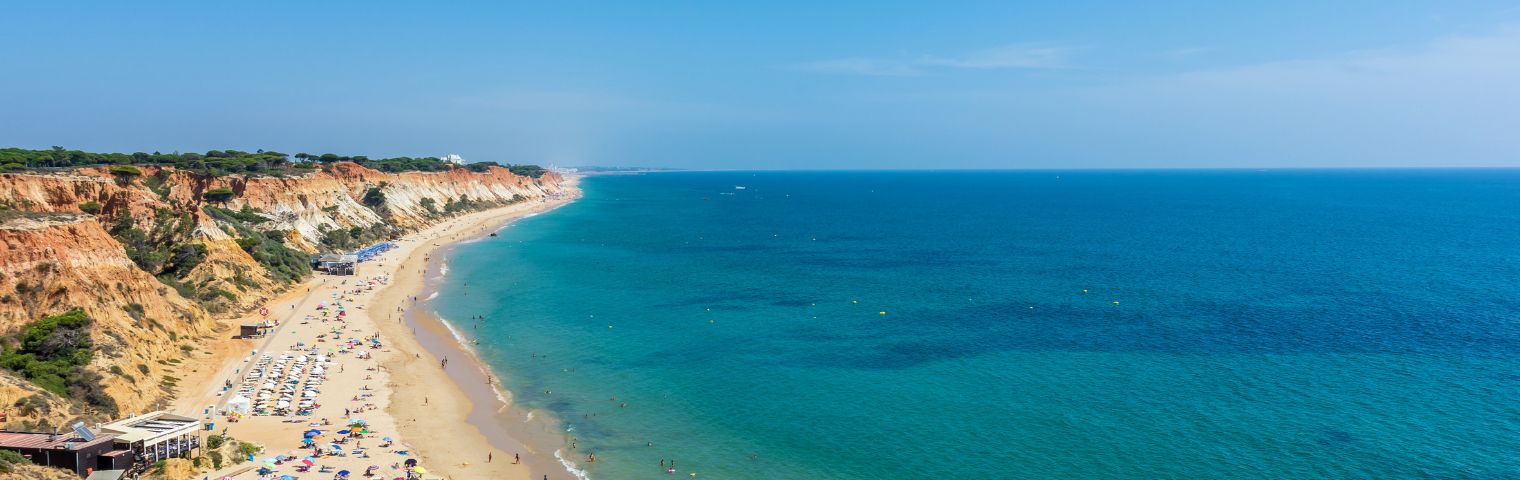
(287, 477)
(342, 472)
(411, 462)
(308, 461)
(388, 439)
(344, 432)
(419, 470)
(313, 433)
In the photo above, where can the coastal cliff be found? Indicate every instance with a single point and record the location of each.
(158, 258)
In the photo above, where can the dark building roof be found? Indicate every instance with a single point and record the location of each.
(40, 441)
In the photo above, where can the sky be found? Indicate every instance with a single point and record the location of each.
(777, 84)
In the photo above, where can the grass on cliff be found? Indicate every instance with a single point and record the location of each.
(8, 460)
(268, 248)
(52, 353)
(158, 250)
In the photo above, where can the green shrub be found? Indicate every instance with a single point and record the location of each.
(125, 171)
(215, 442)
(245, 448)
(92, 208)
(214, 455)
(135, 310)
(374, 197)
(218, 195)
(52, 352)
(247, 215)
(8, 458)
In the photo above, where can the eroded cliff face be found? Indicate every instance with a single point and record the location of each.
(54, 257)
(324, 201)
(57, 262)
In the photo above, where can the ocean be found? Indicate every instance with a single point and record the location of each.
(1032, 324)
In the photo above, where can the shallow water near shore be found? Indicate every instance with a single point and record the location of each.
(1280, 324)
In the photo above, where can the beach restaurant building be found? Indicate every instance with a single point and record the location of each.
(67, 450)
(156, 435)
(338, 264)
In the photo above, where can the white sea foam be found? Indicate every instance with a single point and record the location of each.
(502, 395)
(458, 337)
(570, 467)
(443, 269)
(430, 297)
(528, 418)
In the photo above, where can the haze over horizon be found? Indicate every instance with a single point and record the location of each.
(777, 85)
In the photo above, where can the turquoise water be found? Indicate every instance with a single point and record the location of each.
(1326, 324)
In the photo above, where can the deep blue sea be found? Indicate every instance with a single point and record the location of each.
(980, 325)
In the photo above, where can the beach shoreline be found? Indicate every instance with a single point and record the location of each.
(452, 424)
(480, 418)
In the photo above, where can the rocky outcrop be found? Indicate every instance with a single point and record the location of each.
(54, 256)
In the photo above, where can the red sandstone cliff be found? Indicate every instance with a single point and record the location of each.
(53, 257)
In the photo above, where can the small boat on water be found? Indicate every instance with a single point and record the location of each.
(738, 187)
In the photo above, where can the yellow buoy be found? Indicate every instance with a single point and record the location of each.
(1116, 302)
(854, 301)
(881, 313)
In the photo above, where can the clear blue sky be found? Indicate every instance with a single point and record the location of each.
(775, 84)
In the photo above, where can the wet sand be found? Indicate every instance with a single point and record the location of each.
(448, 418)
(459, 396)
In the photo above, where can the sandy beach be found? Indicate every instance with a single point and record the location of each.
(449, 418)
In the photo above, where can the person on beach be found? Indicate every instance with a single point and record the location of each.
(489, 456)
(516, 459)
